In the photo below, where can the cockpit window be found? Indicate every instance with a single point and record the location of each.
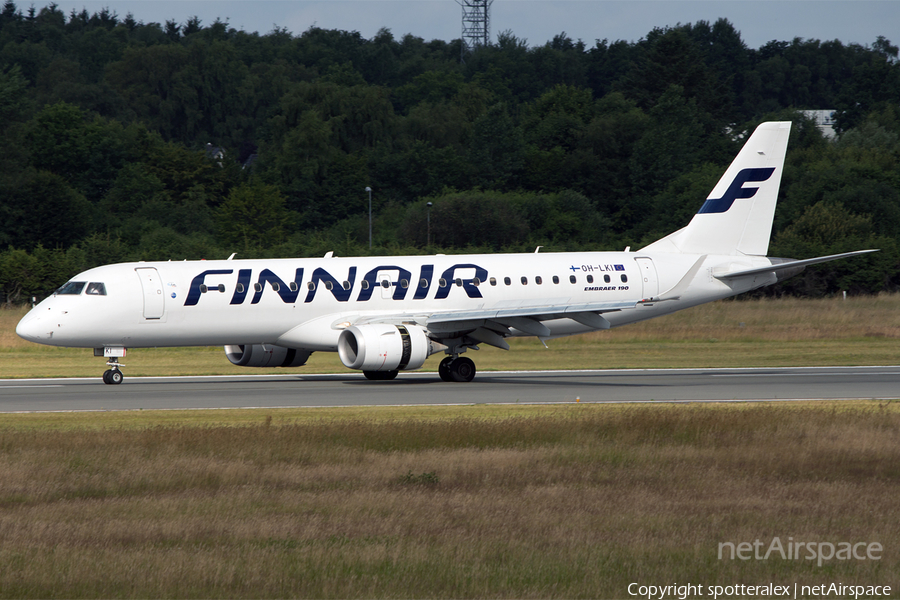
(73, 288)
(96, 288)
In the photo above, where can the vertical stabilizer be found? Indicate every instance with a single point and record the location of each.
(737, 216)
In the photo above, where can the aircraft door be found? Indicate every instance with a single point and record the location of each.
(648, 278)
(154, 298)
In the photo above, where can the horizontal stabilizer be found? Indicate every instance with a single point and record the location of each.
(789, 265)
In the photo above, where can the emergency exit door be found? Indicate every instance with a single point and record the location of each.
(648, 278)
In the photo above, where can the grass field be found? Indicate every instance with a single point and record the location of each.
(575, 501)
(457, 502)
(783, 332)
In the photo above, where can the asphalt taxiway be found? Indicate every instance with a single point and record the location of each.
(352, 389)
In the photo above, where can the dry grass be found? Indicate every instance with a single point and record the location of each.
(576, 501)
(783, 332)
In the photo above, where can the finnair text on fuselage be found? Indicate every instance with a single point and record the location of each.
(301, 284)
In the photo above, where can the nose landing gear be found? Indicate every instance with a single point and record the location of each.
(112, 376)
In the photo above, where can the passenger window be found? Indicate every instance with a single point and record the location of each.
(507, 281)
(257, 287)
(458, 282)
(624, 278)
(493, 281)
(364, 284)
(572, 279)
(476, 282)
(95, 288)
(204, 288)
(555, 279)
(329, 285)
(239, 288)
(606, 278)
(311, 285)
(73, 288)
(346, 285)
(590, 278)
(385, 283)
(442, 282)
(524, 281)
(538, 280)
(293, 285)
(423, 283)
(275, 286)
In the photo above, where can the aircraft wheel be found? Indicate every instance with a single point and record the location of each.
(389, 375)
(462, 369)
(106, 376)
(115, 377)
(444, 369)
(372, 375)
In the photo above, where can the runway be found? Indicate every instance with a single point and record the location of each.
(352, 389)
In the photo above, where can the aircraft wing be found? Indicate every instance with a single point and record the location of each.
(491, 325)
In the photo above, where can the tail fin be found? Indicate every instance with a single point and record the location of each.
(737, 216)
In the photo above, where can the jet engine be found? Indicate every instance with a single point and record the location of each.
(266, 355)
(384, 347)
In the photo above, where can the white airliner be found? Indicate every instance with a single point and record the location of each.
(385, 314)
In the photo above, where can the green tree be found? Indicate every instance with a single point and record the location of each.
(253, 218)
(829, 228)
(672, 145)
(39, 207)
(496, 150)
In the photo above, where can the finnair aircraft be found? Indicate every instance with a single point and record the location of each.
(386, 314)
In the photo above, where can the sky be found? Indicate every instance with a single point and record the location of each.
(536, 21)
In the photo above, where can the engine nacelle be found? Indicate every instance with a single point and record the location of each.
(266, 355)
(384, 347)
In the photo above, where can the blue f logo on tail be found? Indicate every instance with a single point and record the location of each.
(737, 190)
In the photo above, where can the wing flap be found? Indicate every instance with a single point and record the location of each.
(544, 311)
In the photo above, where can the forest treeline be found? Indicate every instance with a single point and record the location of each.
(125, 140)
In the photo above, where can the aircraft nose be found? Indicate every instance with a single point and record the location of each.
(34, 328)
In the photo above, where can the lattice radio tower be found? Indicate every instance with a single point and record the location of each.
(476, 24)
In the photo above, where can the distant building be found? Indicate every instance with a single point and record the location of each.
(824, 121)
(215, 153)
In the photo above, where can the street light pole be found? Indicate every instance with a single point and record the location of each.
(428, 218)
(368, 189)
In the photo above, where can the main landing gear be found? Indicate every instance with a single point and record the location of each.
(457, 368)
